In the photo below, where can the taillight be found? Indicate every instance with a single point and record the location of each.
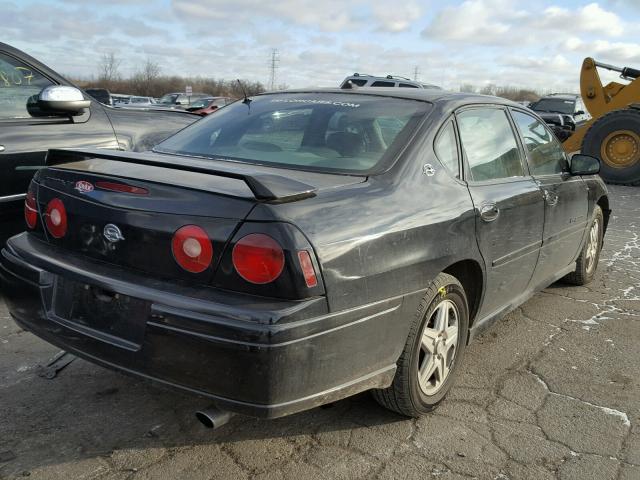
(121, 187)
(56, 218)
(307, 268)
(31, 210)
(192, 248)
(258, 258)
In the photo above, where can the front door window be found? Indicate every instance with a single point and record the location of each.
(18, 83)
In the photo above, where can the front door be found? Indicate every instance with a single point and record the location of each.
(566, 204)
(25, 138)
(509, 204)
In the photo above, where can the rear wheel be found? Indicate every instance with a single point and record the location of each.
(615, 140)
(587, 262)
(433, 350)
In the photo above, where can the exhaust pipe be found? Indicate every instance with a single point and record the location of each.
(213, 417)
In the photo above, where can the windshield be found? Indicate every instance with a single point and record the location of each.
(169, 99)
(310, 131)
(556, 105)
(201, 103)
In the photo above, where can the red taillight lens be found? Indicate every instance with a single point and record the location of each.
(258, 258)
(192, 248)
(307, 269)
(121, 187)
(31, 210)
(56, 218)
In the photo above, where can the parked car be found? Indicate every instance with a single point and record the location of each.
(180, 100)
(39, 110)
(138, 102)
(363, 80)
(100, 94)
(119, 99)
(565, 110)
(208, 105)
(299, 247)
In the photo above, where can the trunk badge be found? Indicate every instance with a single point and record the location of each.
(112, 233)
(83, 186)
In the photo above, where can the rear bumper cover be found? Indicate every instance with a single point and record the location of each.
(251, 355)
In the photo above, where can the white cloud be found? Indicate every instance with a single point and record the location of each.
(484, 22)
(589, 19)
(397, 18)
(504, 23)
(327, 15)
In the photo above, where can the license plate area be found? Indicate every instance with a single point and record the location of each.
(98, 309)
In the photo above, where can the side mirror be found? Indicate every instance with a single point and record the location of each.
(584, 165)
(62, 100)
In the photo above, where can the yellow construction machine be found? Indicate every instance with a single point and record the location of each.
(613, 133)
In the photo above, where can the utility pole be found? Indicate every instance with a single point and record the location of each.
(273, 66)
(416, 72)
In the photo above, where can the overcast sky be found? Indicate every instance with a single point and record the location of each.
(532, 43)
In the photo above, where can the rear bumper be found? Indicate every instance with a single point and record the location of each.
(251, 355)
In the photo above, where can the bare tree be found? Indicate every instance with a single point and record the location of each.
(108, 68)
(145, 79)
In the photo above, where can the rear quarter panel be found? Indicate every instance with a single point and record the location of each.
(389, 236)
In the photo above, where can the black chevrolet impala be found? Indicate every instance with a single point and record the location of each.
(300, 247)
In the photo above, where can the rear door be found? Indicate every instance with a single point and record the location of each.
(509, 204)
(566, 196)
(24, 139)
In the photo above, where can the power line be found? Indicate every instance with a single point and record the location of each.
(273, 66)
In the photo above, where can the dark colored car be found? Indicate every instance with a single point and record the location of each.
(30, 125)
(563, 110)
(100, 94)
(299, 247)
(209, 105)
(179, 100)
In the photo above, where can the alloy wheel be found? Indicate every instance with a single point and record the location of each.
(438, 347)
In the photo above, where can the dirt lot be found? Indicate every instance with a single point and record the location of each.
(551, 391)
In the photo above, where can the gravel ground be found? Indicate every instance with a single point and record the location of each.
(551, 391)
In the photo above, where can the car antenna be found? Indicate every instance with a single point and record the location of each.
(246, 100)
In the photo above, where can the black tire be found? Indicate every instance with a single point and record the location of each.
(618, 120)
(405, 396)
(583, 274)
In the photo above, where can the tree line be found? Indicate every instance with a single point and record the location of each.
(148, 81)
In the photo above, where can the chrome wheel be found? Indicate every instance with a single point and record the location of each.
(438, 347)
(592, 246)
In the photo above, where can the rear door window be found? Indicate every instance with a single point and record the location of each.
(383, 84)
(446, 149)
(19, 84)
(489, 144)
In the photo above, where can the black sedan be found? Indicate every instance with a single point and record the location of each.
(39, 110)
(300, 247)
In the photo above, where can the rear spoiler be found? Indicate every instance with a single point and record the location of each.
(265, 187)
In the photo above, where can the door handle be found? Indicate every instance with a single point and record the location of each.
(551, 198)
(489, 212)
(1, 148)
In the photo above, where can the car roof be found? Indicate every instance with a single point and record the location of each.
(455, 99)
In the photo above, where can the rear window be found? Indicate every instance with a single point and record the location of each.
(325, 132)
